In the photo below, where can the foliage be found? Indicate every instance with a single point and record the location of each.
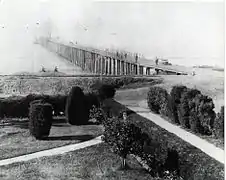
(159, 101)
(18, 106)
(76, 110)
(219, 124)
(58, 102)
(176, 94)
(122, 136)
(202, 115)
(98, 114)
(91, 100)
(183, 108)
(192, 162)
(104, 91)
(40, 119)
(154, 154)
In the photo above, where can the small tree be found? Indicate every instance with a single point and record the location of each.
(123, 137)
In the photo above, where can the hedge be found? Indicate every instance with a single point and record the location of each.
(18, 106)
(40, 119)
(59, 85)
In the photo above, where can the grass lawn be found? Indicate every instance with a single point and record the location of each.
(16, 140)
(94, 163)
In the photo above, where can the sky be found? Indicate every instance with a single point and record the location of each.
(188, 33)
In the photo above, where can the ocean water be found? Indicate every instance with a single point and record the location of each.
(29, 57)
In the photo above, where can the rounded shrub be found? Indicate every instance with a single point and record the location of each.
(176, 94)
(219, 124)
(159, 101)
(76, 110)
(183, 108)
(40, 119)
(106, 91)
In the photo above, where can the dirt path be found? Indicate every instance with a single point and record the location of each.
(51, 152)
(196, 141)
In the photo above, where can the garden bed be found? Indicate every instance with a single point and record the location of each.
(193, 163)
(16, 139)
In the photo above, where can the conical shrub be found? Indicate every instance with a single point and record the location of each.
(76, 110)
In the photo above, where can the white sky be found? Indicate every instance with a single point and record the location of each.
(187, 32)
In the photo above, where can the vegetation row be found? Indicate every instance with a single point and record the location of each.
(21, 85)
(188, 108)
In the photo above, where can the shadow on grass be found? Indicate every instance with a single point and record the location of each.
(66, 138)
(19, 124)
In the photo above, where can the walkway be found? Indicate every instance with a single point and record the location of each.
(196, 141)
(51, 152)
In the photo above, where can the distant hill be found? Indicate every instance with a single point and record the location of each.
(214, 68)
(218, 69)
(204, 66)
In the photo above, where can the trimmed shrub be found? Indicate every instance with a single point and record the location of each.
(219, 124)
(183, 108)
(76, 110)
(40, 119)
(176, 94)
(159, 101)
(202, 115)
